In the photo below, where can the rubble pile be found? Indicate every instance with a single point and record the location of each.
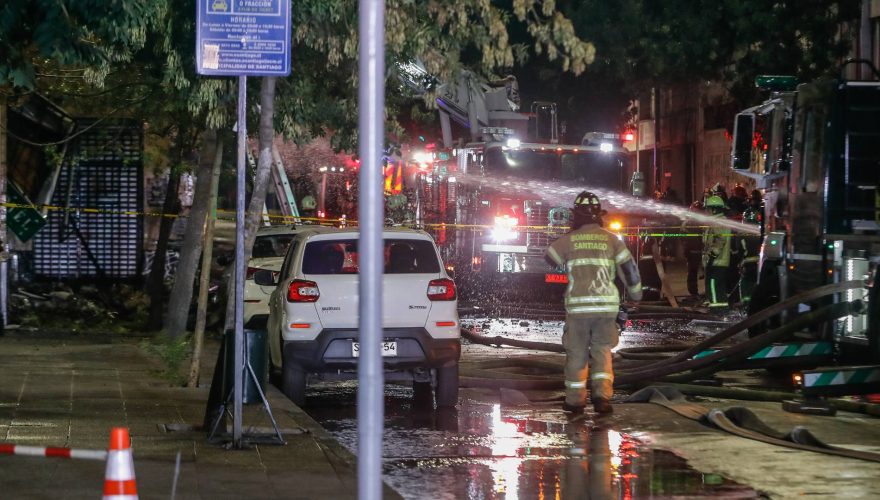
(63, 306)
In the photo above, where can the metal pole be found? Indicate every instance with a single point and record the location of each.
(638, 135)
(322, 203)
(4, 243)
(655, 108)
(864, 72)
(371, 131)
(238, 364)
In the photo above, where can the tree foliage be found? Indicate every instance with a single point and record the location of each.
(643, 43)
(89, 36)
(321, 94)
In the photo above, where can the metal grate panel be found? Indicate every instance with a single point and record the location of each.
(98, 232)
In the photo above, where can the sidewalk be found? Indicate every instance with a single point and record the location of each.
(69, 392)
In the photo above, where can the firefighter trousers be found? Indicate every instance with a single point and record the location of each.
(588, 342)
(716, 285)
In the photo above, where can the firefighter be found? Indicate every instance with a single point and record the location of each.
(592, 257)
(716, 255)
(749, 245)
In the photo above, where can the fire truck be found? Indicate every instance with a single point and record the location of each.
(814, 149)
(494, 207)
(495, 202)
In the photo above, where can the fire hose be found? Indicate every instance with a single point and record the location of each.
(661, 370)
(760, 317)
(482, 376)
(735, 354)
(743, 422)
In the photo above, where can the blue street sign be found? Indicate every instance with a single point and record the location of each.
(243, 37)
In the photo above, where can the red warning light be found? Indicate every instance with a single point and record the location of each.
(629, 136)
(555, 278)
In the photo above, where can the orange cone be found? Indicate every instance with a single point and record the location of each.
(119, 478)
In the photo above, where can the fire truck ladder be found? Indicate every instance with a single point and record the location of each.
(283, 192)
(470, 101)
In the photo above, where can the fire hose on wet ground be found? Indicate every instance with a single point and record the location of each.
(661, 370)
(744, 423)
(679, 367)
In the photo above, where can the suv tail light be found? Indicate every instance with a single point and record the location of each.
(303, 291)
(442, 289)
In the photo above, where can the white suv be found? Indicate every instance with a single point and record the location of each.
(270, 247)
(313, 312)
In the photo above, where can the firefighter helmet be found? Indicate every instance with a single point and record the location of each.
(589, 204)
(715, 202)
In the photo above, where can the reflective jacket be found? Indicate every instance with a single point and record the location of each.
(716, 245)
(592, 256)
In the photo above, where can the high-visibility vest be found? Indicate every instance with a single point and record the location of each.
(591, 257)
(716, 246)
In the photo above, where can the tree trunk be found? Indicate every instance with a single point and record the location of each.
(182, 290)
(205, 277)
(261, 184)
(156, 280)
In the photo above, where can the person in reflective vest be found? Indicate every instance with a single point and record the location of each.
(592, 257)
(716, 255)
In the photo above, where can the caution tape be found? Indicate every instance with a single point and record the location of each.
(136, 213)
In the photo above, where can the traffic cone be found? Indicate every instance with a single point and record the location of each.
(119, 481)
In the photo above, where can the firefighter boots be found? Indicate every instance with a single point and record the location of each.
(602, 406)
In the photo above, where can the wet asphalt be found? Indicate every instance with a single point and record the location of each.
(497, 446)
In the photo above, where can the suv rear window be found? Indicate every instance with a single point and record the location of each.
(402, 256)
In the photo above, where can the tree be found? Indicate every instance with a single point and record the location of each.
(320, 96)
(82, 38)
(644, 43)
(182, 290)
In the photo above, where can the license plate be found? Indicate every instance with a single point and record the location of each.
(388, 349)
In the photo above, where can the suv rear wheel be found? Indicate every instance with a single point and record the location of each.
(447, 386)
(293, 383)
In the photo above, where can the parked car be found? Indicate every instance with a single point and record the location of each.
(313, 312)
(270, 247)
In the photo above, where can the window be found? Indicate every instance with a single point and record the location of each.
(402, 256)
(271, 245)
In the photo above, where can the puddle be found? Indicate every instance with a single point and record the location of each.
(483, 450)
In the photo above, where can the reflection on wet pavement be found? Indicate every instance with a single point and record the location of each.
(638, 334)
(484, 450)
